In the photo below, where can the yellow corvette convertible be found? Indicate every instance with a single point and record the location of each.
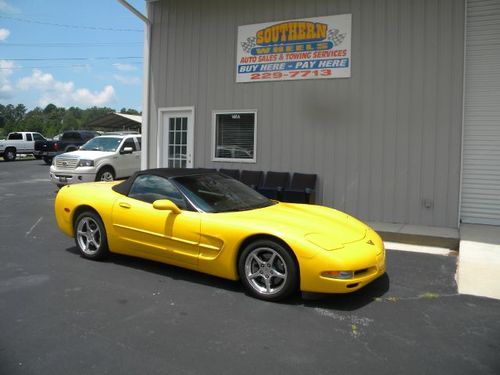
(211, 223)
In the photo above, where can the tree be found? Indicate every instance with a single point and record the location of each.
(12, 116)
(129, 111)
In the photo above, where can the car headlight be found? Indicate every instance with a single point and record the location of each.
(341, 275)
(86, 163)
(54, 161)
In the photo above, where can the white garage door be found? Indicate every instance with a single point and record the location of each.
(481, 154)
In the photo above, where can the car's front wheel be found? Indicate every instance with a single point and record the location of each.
(10, 154)
(105, 174)
(90, 236)
(268, 270)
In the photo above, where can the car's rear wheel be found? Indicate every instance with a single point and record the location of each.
(10, 154)
(268, 270)
(90, 236)
(47, 160)
(105, 174)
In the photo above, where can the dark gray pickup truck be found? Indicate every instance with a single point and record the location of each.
(70, 140)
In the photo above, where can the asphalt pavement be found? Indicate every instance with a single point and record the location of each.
(62, 314)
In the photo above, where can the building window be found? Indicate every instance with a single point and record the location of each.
(234, 136)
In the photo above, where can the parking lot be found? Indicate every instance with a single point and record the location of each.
(61, 314)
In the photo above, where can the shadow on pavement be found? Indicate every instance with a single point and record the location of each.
(344, 302)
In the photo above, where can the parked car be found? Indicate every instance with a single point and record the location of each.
(212, 223)
(19, 143)
(103, 158)
(234, 152)
(70, 140)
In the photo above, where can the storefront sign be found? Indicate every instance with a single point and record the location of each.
(309, 48)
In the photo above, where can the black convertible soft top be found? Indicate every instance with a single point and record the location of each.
(124, 187)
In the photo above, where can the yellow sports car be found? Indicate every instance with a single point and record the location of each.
(211, 223)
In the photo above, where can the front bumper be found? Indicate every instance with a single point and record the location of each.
(68, 177)
(367, 261)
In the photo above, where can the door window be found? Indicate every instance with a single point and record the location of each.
(149, 188)
(177, 142)
(129, 142)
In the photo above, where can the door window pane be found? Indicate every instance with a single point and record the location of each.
(177, 142)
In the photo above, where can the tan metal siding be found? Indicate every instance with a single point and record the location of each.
(481, 165)
(381, 141)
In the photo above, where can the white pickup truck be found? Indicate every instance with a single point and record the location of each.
(19, 143)
(103, 158)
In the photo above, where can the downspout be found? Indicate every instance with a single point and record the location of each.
(146, 83)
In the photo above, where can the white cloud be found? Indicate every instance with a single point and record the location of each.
(85, 96)
(127, 80)
(6, 69)
(7, 8)
(4, 34)
(125, 67)
(64, 93)
(38, 80)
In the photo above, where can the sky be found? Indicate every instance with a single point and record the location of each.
(80, 53)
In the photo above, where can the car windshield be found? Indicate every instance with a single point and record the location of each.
(102, 144)
(218, 193)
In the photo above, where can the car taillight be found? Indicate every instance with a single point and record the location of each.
(56, 146)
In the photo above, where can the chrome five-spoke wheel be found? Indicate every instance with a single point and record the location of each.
(268, 270)
(90, 236)
(265, 270)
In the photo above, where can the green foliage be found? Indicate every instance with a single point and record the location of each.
(129, 111)
(50, 120)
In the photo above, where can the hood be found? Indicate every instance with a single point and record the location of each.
(90, 155)
(321, 225)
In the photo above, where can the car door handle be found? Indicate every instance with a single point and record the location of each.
(124, 205)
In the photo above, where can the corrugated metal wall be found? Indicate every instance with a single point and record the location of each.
(481, 154)
(382, 142)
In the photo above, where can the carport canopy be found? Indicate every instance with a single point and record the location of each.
(115, 121)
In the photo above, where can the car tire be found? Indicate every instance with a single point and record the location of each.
(9, 154)
(90, 236)
(37, 157)
(268, 271)
(105, 174)
(47, 160)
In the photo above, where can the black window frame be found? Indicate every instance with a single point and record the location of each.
(234, 151)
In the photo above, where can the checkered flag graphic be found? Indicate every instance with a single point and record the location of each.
(334, 36)
(248, 45)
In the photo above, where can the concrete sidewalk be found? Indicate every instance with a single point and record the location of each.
(477, 248)
(479, 260)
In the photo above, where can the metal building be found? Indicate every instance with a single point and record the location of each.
(385, 140)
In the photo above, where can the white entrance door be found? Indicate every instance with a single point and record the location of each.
(175, 137)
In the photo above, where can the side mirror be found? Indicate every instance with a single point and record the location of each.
(127, 150)
(166, 205)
